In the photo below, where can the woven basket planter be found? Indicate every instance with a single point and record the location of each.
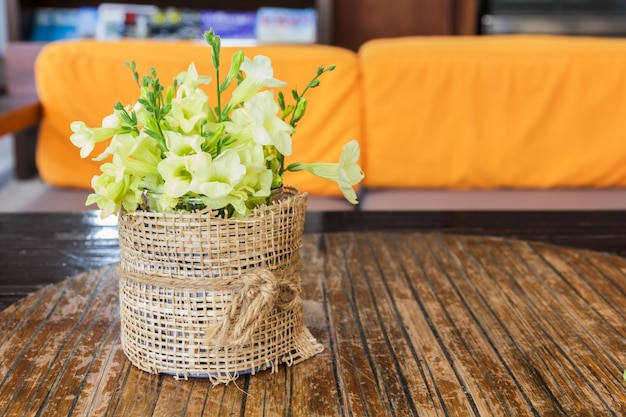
(204, 296)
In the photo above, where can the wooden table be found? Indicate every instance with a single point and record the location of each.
(427, 320)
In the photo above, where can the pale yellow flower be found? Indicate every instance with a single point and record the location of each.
(259, 74)
(257, 181)
(190, 106)
(86, 138)
(180, 144)
(347, 173)
(227, 171)
(201, 174)
(258, 120)
(180, 172)
(109, 189)
(190, 78)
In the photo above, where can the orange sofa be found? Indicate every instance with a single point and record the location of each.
(498, 122)
(82, 80)
(511, 122)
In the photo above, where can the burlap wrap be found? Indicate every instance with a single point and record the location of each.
(206, 296)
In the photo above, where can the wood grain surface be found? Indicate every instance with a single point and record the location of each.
(412, 324)
(41, 248)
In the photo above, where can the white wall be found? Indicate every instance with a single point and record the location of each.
(3, 27)
(6, 142)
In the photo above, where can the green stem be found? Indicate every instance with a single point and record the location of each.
(219, 94)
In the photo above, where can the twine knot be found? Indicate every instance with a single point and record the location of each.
(258, 294)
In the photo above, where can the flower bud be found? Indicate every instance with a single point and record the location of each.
(299, 111)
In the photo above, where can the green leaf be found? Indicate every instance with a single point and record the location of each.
(228, 140)
(133, 68)
(152, 133)
(281, 100)
(126, 117)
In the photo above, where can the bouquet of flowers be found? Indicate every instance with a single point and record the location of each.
(173, 150)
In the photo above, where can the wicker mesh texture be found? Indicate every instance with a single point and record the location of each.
(211, 297)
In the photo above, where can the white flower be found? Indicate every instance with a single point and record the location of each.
(259, 74)
(180, 144)
(347, 173)
(257, 120)
(86, 138)
(112, 121)
(190, 78)
(188, 112)
(258, 178)
(184, 173)
(226, 174)
(176, 143)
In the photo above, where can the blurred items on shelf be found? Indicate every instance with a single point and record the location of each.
(64, 23)
(235, 25)
(276, 24)
(118, 20)
(113, 21)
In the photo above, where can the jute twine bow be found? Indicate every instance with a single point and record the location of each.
(255, 296)
(260, 293)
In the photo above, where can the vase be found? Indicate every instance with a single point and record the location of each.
(205, 296)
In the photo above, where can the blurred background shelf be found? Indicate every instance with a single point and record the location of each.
(346, 23)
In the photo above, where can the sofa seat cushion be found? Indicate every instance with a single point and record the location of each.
(35, 196)
(83, 79)
(506, 111)
(408, 199)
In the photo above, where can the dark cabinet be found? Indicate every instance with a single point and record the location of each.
(357, 21)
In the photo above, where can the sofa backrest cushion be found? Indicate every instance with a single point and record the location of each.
(82, 80)
(506, 111)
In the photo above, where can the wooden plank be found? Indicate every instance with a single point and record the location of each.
(576, 328)
(537, 315)
(430, 370)
(420, 311)
(39, 355)
(412, 324)
(103, 384)
(494, 306)
(397, 362)
(196, 403)
(173, 397)
(229, 400)
(139, 393)
(475, 363)
(314, 382)
(72, 379)
(364, 389)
